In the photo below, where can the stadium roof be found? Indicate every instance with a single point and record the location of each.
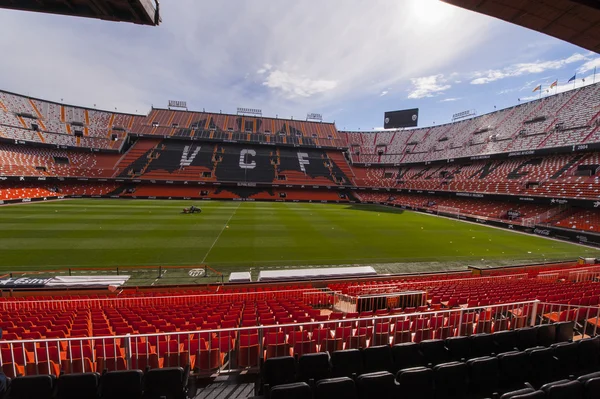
(144, 12)
(574, 21)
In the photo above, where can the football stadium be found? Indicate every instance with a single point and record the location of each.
(186, 253)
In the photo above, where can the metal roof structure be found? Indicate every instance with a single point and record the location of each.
(574, 21)
(143, 12)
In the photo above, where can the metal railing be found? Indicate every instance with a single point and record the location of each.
(226, 349)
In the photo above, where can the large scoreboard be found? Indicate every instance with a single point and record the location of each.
(400, 119)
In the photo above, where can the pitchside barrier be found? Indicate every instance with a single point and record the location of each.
(139, 275)
(220, 350)
(591, 273)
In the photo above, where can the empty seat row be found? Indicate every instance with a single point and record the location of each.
(477, 379)
(168, 383)
(536, 365)
(585, 387)
(353, 362)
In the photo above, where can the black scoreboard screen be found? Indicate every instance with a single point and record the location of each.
(403, 118)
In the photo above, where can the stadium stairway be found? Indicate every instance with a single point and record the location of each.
(132, 157)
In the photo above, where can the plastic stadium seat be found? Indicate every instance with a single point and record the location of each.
(277, 371)
(482, 345)
(564, 389)
(332, 344)
(450, 380)
(505, 341)
(210, 359)
(143, 357)
(407, 355)
(377, 358)
(13, 361)
(296, 390)
(484, 376)
(48, 362)
(416, 382)
(588, 352)
(110, 364)
(434, 352)
(591, 388)
(81, 359)
(564, 331)
(321, 334)
(525, 393)
(459, 348)
(30, 387)
(567, 355)
(78, 386)
(527, 337)
(346, 363)
(314, 366)
(341, 387)
(248, 355)
(121, 385)
(546, 334)
(402, 336)
(304, 347)
(543, 366)
(381, 385)
(166, 383)
(514, 370)
(589, 377)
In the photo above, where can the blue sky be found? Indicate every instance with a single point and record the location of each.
(350, 60)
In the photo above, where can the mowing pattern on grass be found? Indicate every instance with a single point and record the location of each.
(234, 236)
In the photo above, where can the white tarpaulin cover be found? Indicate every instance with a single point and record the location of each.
(87, 281)
(240, 277)
(316, 274)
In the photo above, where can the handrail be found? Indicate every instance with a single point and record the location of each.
(284, 326)
(520, 314)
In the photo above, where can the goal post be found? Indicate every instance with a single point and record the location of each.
(448, 210)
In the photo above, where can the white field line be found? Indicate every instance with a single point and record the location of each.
(165, 272)
(221, 232)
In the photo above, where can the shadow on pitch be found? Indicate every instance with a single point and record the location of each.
(375, 208)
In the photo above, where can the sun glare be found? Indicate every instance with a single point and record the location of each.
(429, 12)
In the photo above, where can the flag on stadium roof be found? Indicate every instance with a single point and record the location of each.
(538, 87)
(554, 84)
(572, 79)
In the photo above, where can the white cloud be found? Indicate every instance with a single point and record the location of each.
(589, 66)
(492, 75)
(297, 60)
(428, 86)
(383, 93)
(450, 99)
(264, 69)
(511, 90)
(293, 86)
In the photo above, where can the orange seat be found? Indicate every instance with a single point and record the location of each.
(207, 360)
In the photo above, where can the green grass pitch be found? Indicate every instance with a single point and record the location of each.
(110, 233)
